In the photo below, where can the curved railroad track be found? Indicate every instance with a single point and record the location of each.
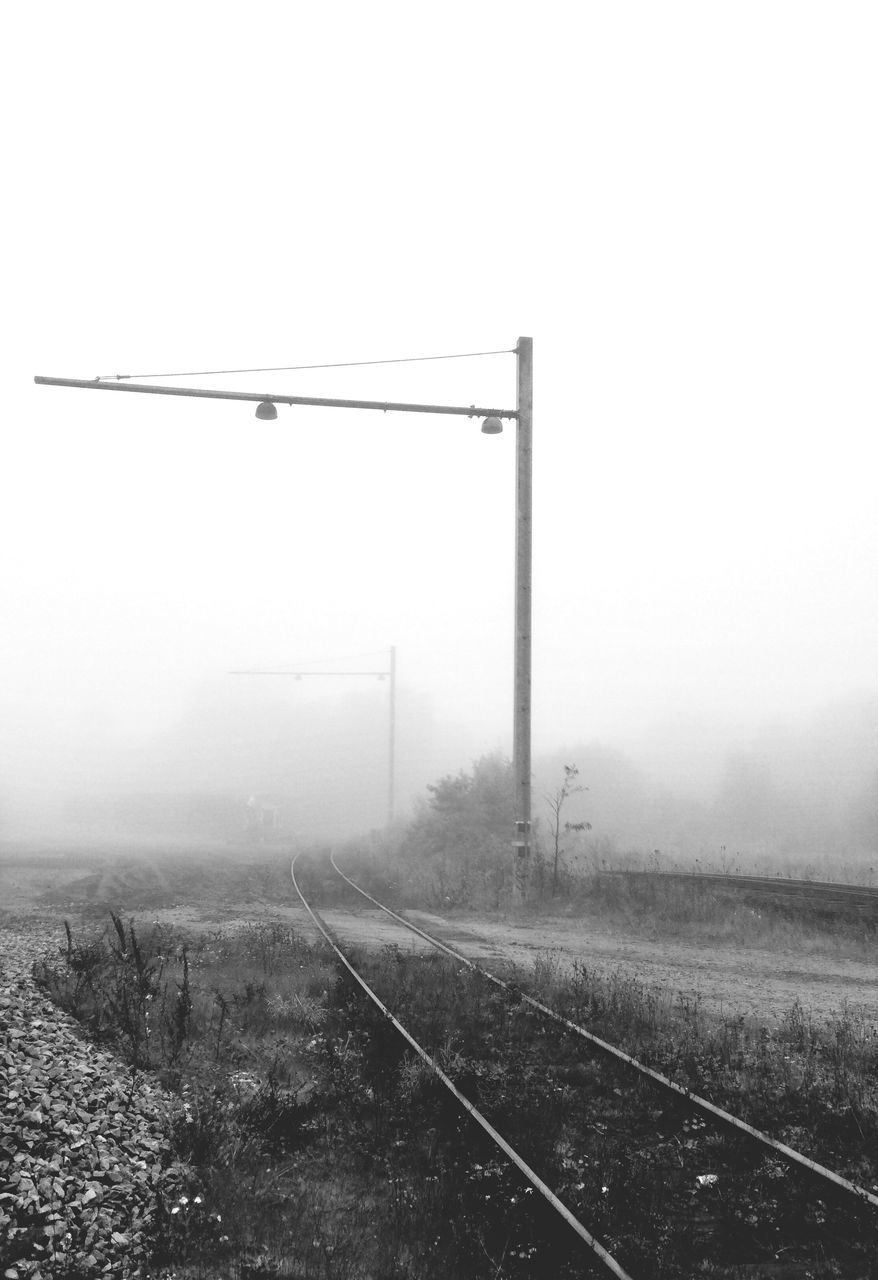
(734, 1142)
(591, 1241)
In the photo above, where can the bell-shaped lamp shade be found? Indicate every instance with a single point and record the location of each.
(492, 427)
(266, 411)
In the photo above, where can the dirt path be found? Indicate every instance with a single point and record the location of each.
(727, 981)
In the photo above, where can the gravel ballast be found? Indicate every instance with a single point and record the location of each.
(85, 1163)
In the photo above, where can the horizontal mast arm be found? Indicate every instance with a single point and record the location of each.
(469, 411)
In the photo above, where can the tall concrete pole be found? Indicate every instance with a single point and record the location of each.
(521, 750)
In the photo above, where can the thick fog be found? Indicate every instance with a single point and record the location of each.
(677, 202)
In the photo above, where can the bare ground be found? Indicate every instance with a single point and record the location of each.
(728, 981)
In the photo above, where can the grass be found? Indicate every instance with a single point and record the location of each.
(648, 902)
(812, 1084)
(85, 883)
(229, 1021)
(671, 908)
(321, 1147)
(241, 880)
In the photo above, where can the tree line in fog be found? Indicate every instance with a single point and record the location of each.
(808, 792)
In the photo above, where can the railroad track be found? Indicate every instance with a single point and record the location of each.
(814, 893)
(698, 1161)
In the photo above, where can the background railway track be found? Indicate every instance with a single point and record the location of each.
(811, 894)
(667, 1189)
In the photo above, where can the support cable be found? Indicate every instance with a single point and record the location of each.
(291, 368)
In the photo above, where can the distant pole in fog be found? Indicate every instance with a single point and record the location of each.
(391, 672)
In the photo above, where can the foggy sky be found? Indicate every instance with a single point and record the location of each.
(677, 202)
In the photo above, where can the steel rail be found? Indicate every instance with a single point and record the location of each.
(814, 889)
(702, 1104)
(533, 1178)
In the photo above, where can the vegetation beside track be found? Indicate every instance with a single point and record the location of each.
(321, 1148)
(454, 856)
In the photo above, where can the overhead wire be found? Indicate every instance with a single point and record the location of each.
(291, 368)
(344, 657)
